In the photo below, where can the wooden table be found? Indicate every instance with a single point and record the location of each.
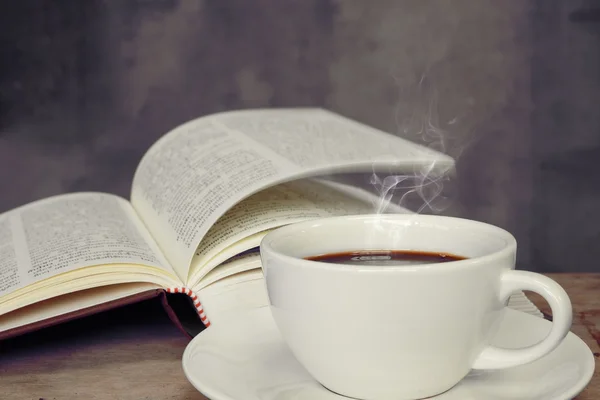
(584, 292)
(135, 353)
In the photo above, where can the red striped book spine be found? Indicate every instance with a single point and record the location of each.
(196, 301)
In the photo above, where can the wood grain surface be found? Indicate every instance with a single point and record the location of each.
(135, 353)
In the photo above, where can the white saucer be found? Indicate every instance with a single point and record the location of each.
(245, 358)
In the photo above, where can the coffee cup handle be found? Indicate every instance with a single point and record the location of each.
(562, 316)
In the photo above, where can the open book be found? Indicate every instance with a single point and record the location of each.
(202, 198)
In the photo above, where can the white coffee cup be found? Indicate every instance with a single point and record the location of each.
(400, 332)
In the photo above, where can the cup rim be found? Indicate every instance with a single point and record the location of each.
(510, 246)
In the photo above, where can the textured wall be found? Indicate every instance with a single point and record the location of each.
(90, 85)
(566, 136)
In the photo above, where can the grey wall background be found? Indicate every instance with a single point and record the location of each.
(87, 86)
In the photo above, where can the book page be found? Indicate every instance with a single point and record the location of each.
(195, 173)
(315, 138)
(68, 303)
(64, 233)
(276, 206)
(9, 266)
(241, 263)
(233, 295)
(190, 177)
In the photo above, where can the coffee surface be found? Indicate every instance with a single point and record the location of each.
(385, 257)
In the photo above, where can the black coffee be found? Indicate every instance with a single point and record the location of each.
(385, 257)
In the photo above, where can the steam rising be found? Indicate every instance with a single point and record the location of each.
(424, 185)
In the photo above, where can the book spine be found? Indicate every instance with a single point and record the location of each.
(196, 301)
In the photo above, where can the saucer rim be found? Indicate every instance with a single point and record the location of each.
(576, 389)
